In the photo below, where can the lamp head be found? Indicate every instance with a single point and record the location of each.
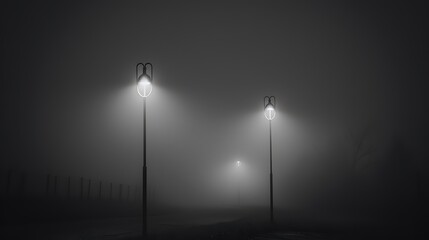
(144, 80)
(270, 110)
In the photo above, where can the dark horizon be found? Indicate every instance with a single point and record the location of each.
(350, 132)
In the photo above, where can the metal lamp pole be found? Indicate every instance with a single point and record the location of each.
(238, 164)
(270, 113)
(144, 88)
(144, 179)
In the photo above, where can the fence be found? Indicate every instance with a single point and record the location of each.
(36, 196)
(15, 184)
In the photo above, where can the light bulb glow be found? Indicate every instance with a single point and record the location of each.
(270, 112)
(238, 163)
(144, 87)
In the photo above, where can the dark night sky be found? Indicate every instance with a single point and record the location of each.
(70, 106)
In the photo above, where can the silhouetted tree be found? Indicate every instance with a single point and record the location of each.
(360, 148)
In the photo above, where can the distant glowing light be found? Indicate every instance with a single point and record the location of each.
(238, 163)
(270, 112)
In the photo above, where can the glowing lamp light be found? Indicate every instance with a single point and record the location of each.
(238, 163)
(144, 80)
(270, 110)
(144, 86)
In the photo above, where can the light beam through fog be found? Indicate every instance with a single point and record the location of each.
(348, 131)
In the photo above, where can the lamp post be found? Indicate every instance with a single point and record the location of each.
(270, 114)
(144, 88)
(238, 165)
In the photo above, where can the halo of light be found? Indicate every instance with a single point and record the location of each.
(270, 112)
(144, 87)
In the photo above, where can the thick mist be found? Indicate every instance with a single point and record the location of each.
(348, 79)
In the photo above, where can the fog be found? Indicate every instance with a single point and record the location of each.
(342, 73)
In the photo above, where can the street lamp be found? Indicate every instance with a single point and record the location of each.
(144, 88)
(270, 114)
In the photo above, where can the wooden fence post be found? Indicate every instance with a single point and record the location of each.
(128, 193)
(47, 184)
(89, 189)
(68, 187)
(120, 192)
(111, 188)
(55, 185)
(99, 192)
(81, 188)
